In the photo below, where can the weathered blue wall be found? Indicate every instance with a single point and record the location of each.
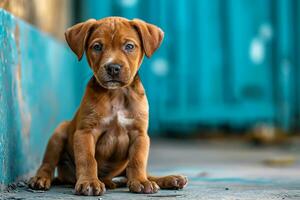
(37, 91)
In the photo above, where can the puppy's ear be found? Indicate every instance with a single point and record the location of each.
(150, 35)
(77, 35)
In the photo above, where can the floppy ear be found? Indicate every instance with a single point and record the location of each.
(151, 36)
(77, 35)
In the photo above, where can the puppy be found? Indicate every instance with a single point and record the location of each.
(108, 135)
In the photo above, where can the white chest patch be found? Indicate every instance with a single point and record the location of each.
(121, 118)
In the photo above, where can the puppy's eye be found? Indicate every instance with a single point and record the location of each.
(97, 47)
(129, 47)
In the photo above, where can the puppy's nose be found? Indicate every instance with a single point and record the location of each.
(113, 69)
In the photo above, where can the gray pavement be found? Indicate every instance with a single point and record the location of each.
(216, 170)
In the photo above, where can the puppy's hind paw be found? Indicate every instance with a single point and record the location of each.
(40, 183)
(109, 184)
(172, 182)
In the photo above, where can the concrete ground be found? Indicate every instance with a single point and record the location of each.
(216, 170)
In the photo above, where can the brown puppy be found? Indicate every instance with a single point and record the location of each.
(108, 135)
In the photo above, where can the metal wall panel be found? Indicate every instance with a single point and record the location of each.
(222, 61)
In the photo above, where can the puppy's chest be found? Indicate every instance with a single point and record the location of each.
(118, 116)
(116, 125)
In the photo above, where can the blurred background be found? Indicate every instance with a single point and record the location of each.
(228, 64)
(227, 69)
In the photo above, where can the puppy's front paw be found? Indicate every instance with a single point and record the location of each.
(40, 182)
(89, 187)
(172, 182)
(147, 187)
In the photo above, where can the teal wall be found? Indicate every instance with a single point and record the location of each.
(223, 62)
(37, 91)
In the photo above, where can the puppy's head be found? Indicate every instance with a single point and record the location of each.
(114, 47)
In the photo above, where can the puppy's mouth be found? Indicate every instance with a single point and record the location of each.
(113, 84)
(109, 82)
(114, 81)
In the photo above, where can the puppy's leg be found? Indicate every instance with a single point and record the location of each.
(66, 170)
(44, 175)
(86, 164)
(136, 169)
(170, 182)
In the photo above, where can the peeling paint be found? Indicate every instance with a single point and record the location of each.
(23, 107)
